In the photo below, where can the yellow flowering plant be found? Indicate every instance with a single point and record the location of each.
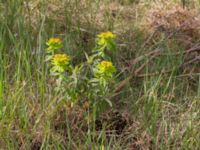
(104, 69)
(53, 44)
(89, 80)
(105, 41)
(59, 63)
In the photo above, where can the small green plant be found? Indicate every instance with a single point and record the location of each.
(88, 81)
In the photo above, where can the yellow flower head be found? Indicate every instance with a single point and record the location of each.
(60, 62)
(106, 35)
(105, 64)
(54, 44)
(106, 40)
(105, 69)
(54, 40)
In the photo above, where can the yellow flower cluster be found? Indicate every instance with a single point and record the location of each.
(60, 59)
(106, 35)
(60, 62)
(54, 44)
(106, 40)
(54, 40)
(105, 64)
(105, 69)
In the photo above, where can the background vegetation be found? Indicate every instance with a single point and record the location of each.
(156, 98)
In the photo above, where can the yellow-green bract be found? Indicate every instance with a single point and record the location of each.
(60, 62)
(104, 69)
(106, 40)
(54, 44)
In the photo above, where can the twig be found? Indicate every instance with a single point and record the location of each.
(138, 59)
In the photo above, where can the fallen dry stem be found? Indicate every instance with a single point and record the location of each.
(153, 54)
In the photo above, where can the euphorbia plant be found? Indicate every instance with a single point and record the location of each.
(88, 80)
